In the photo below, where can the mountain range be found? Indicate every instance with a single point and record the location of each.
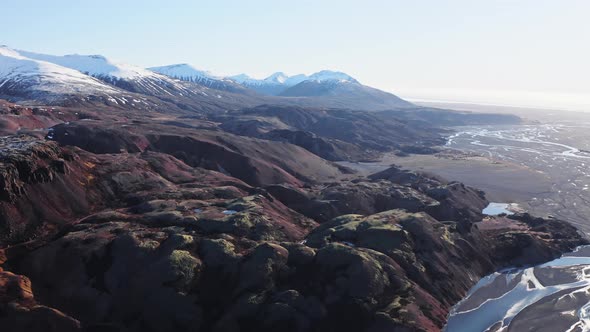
(27, 76)
(278, 83)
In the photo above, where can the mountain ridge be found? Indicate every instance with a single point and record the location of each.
(127, 77)
(278, 82)
(95, 79)
(29, 78)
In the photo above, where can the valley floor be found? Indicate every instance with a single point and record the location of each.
(542, 166)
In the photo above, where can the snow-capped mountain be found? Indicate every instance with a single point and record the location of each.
(188, 73)
(184, 71)
(35, 78)
(325, 88)
(342, 90)
(330, 76)
(94, 65)
(277, 78)
(272, 85)
(23, 77)
(281, 78)
(125, 76)
(278, 82)
(75, 79)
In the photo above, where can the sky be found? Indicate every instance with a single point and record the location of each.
(532, 53)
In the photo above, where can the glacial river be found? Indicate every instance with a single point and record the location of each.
(550, 297)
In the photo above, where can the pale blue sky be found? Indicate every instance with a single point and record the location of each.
(525, 52)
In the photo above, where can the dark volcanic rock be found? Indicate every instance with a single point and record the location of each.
(391, 270)
(257, 162)
(527, 240)
(457, 201)
(351, 135)
(350, 94)
(387, 190)
(346, 197)
(330, 149)
(122, 271)
(163, 224)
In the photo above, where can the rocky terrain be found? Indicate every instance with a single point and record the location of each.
(164, 222)
(135, 201)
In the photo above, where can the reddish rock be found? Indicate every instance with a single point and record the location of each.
(20, 312)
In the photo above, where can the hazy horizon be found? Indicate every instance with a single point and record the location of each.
(529, 53)
(517, 99)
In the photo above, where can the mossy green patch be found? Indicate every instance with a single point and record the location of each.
(183, 264)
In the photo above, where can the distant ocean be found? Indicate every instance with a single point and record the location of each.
(526, 99)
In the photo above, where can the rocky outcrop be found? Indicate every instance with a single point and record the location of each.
(391, 271)
(329, 149)
(391, 189)
(24, 160)
(456, 201)
(522, 239)
(345, 197)
(19, 311)
(40, 188)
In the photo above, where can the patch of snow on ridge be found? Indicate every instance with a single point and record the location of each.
(7, 51)
(243, 78)
(183, 70)
(278, 78)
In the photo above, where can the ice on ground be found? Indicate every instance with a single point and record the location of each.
(494, 209)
